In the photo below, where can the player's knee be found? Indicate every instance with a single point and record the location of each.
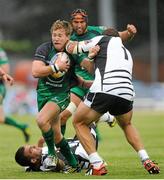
(125, 124)
(40, 121)
(77, 122)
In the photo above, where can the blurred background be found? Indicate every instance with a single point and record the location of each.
(25, 24)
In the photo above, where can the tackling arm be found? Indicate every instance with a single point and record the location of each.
(75, 47)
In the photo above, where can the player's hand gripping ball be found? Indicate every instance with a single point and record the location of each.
(60, 56)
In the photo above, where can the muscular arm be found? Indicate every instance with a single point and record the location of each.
(75, 47)
(39, 69)
(88, 65)
(129, 33)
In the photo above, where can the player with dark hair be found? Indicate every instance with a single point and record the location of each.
(32, 156)
(112, 91)
(4, 64)
(82, 31)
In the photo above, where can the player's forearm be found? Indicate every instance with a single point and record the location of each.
(74, 47)
(88, 65)
(39, 70)
(42, 72)
(125, 35)
(129, 33)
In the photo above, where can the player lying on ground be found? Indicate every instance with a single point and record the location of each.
(33, 156)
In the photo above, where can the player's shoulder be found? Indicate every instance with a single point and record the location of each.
(45, 45)
(99, 29)
(2, 51)
(44, 48)
(3, 56)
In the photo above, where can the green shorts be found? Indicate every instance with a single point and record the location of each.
(61, 99)
(2, 93)
(79, 91)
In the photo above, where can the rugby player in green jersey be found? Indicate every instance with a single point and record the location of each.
(4, 64)
(81, 31)
(53, 93)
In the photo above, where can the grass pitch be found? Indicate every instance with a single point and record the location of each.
(123, 161)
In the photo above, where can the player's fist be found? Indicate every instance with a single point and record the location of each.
(132, 30)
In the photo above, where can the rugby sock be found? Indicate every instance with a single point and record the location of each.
(67, 153)
(95, 159)
(143, 155)
(12, 122)
(49, 139)
(63, 129)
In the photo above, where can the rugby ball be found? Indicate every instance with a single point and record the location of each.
(60, 56)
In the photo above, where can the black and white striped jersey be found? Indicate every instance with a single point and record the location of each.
(76, 148)
(113, 67)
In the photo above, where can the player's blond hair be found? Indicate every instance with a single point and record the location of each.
(61, 24)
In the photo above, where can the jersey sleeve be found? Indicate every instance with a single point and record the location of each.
(42, 52)
(84, 46)
(3, 57)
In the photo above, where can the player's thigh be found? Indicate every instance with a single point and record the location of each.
(49, 112)
(85, 114)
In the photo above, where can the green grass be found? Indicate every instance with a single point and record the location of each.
(123, 162)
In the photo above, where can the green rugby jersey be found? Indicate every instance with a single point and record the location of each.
(50, 86)
(3, 57)
(92, 31)
(3, 60)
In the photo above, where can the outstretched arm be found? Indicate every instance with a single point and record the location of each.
(75, 47)
(129, 33)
